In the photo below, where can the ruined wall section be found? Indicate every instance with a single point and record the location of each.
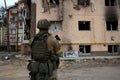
(98, 37)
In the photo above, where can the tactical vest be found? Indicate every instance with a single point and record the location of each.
(39, 47)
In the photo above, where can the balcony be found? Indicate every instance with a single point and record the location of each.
(1, 21)
(13, 19)
(14, 11)
(13, 26)
(21, 18)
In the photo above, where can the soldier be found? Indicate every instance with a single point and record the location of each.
(44, 54)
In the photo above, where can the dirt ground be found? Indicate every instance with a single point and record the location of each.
(99, 69)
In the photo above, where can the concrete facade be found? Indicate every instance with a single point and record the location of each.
(97, 37)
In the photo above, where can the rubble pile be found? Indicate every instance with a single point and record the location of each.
(72, 64)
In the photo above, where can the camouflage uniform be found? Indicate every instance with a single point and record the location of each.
(43, 53)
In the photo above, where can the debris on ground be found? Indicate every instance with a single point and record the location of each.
(16, 67)
(22, 60)
(72, 64)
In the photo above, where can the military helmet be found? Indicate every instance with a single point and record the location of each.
(43, 24)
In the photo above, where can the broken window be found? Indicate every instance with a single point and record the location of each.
(112, 25)
(19, 39)
(55, 26)
(13, 31)
(13, 47)
(12, 39)
(54, 1)
(20, 31)
(47, 4)
(84, 2)
(13, 25)
(20, 23)
(110, 2)
(84, 25)
(112, 48)
(84, 48)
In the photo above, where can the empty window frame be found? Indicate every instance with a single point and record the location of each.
(84, 2)
(19, 39)
(84, 48)
(20, 24)
(13, 47)
(54, 1)
(20, 31)
(12, 39)
(84, 25)
(110, 2)
(3, 16)
(112, 48)
(112, 25)
(13, 31)
(55, 26)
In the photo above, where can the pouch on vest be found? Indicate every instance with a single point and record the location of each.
(55, 62)
(50, 66)
(34, 66)
(43, 68)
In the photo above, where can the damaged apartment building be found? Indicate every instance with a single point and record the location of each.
(85, 26)
(19, 24)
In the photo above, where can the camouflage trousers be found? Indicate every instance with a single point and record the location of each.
(54, 76)
(39, 77)
(42, 71)
(45, 77)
